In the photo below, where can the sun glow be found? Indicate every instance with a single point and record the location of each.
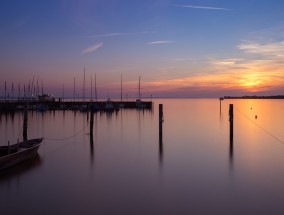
(251, 81)
(254, 81)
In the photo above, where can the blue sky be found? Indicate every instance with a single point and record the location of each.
(179, 48)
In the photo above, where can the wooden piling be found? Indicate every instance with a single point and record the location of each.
(25, 124)
(8, 147)
(161, 120)
(161, 116)
(231, 119)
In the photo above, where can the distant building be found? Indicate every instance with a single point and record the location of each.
(46, 98)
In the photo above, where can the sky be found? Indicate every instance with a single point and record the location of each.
(179, 48)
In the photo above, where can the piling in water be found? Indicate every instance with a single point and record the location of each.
(25, 124)
(161, 116)
(231, 119)
(161, 120)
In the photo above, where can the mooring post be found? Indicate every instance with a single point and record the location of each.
(161, 116)
(161, 120)
(8, 147)
(231, 119)
(25, 124)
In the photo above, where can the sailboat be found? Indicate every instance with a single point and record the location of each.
(84, 107)
(139, 103)
(94, 105)
(121, 105)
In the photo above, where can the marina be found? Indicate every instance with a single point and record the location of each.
(6, 105)
(176, 157)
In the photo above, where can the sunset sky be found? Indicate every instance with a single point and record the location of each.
(180, 48)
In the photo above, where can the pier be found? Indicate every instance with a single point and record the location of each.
(14, 105)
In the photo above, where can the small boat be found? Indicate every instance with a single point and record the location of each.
(74, 107)
(94, 106)
(17, 153)
(140, 104)
(62, 107)
(84, 108)
(20, 107)
(109, 106)
(41, 107)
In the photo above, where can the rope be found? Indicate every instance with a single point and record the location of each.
(67, 138)
(262, 128)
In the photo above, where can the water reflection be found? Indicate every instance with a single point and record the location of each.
(197, 167)
(92, 136)
(21, 169)
(161, 146)
(231, 153)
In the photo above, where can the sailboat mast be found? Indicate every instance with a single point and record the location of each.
(91, 87)
(84, 86)
(12, 90)
(42, 88)
(74, 89)
(121, 88)
(63, 93)
(139, 89)
(96, 88)
(19, 91)
(5, 90)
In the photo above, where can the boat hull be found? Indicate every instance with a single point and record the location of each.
(26, 151)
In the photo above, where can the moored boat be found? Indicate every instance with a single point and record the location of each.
(13, 154)
(109, 106)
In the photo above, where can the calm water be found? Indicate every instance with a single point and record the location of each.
(127, 169)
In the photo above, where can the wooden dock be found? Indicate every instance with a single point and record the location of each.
(6, 105)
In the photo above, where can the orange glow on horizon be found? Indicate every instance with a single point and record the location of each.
(235, 80)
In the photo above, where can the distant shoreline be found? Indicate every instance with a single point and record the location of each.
(253, 97)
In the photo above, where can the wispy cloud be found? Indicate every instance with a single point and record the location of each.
(116, 34)
(161, 42)
(202, 7)
(267, 42)
(272, 49)
(178, 59)
(92, 48)
(109, 34)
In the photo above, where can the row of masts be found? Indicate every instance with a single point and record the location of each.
(96, 98)
(84, 84)
(32, 90)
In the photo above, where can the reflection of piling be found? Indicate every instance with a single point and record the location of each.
(231, 152)
(231, 119)
(92, 133)
(25, 124)
(221, 99)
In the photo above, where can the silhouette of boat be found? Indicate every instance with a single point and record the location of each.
(19, 152)
(84, 108)
(109, 106)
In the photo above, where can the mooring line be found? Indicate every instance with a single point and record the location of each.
(262, 128)
(67, 138)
